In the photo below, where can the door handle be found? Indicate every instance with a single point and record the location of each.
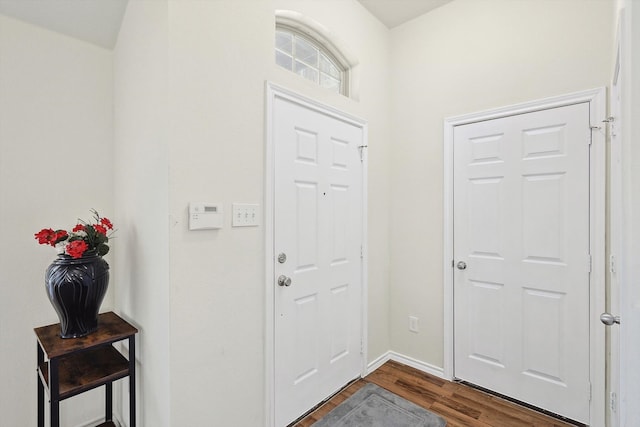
(284, 280)
(461, 265)
(609, 319)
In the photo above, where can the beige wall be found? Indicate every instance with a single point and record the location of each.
(189, 101)
(217, 96)
(55, 165)
(186, 82)
(464, 57)
(141, 180)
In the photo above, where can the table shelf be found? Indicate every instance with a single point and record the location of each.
(80, 372)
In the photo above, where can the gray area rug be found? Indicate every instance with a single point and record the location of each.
(373, 406)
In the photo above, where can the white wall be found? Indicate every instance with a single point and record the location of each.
(368, 40)
(188, 95)
(189, 112)
(464, 57)
(55, 165)
(141, 179)
(221, 54)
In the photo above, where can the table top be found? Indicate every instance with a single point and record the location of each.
(111, 328)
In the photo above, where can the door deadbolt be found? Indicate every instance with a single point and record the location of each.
(282, 258)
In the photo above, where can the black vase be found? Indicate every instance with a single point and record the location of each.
(76, 288)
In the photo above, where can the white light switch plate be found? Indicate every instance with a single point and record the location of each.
(245, 215)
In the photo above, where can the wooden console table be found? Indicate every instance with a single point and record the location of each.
(76, 365)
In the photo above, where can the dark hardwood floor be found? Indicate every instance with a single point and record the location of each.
(460, 405)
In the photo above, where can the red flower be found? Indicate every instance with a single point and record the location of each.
(106, 223)
(76, 248)
(83, 237)
(46, 236)
(100, 229)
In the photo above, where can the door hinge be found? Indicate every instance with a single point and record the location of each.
(589, 263)
(361, 252)
(590, 391)
(361, 346)
(590, 135)
(613, 402)
(612, 263)
(361, 149)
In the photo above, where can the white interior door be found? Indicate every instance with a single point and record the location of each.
(318, 230)
(521, 245)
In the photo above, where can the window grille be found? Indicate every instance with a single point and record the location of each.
(306, 57)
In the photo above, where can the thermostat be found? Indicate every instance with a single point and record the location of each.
(205, 216)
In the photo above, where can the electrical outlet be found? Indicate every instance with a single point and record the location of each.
(413, 324)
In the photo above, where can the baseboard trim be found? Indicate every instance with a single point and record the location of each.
(92, 422)
(405, 360)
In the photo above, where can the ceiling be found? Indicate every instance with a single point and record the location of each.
(98, 21)
(95, 21)
(395, 12)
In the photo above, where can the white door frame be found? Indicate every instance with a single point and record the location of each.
(629, 264)
(597, 206)
(616, 238)
(274, 92)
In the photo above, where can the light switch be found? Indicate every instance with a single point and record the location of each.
(245, 215)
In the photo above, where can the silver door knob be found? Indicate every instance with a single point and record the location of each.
(284, 280)
(461, 265)
(609, 319)
(282, 258)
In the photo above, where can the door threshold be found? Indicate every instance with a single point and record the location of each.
(518, 402)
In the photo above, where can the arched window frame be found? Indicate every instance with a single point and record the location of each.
(327, 42)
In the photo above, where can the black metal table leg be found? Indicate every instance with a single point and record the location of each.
(132, 381)
(40, 388)
(54, 392)
(108, 401)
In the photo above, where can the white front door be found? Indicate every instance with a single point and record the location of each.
(318, 235)
(521, 248)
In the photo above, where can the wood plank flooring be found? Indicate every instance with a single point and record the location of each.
(460, 405)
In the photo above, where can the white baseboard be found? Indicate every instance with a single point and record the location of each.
(117, 421)
(406, 360)
(100, 420)
(91, 423)
(379, 361)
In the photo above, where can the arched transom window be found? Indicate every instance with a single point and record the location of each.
(308, 58)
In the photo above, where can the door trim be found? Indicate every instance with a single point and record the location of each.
(274, 92)
(615, 381)
(597, 207)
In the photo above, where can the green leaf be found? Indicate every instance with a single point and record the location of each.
(103, 249)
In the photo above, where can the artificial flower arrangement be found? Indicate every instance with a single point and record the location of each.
(82, 238)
